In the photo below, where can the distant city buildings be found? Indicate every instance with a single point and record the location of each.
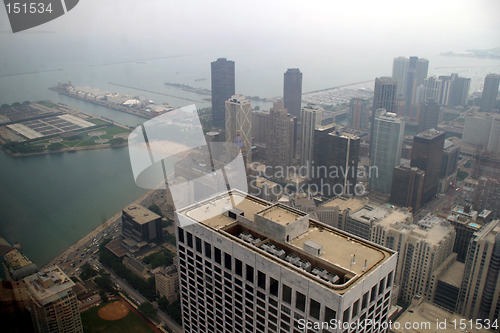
(449, 163)
(429, 116)
(280, 143)
(239, 125)
(359, 113)
(309, 118)
(385, 149)
(427, 154)
(490, 92)
(223, 87)
(54, 306)
(455, 90)
(167, 282)
(483, 131)
(292, 91)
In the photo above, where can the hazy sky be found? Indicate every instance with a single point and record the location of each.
(437, 25)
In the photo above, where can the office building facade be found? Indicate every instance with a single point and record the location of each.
(223, 87)
(359, 114)
(385, 149)
(310, 114)
(54, 305)
(258, 267)
(292, 91)
(429, 116)
(407, 187)
(480, 292)
(427, 154)
(490, 93)
(141, 225)
(239, 125)
(336, 156)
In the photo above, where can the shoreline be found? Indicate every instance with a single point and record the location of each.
(113, 219)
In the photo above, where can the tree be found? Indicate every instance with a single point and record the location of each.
(87, 272)
(147, 309)
(155, 209)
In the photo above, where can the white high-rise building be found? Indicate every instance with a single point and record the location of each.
(239, 124)
(262, 267)
(385, 149)
(310, 116)
(54, 306)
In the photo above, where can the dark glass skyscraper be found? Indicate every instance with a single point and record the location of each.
(292, 91)
(490, 92)
(427, 154)
(384, 96)
(429, 116)
(223, 87)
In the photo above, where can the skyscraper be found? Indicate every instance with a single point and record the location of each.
(385, 149)
(479, 294)
(427, 154)
(358, 113)
(223, 87)
(310, 114)
(239, 125)
(490, 92)
(335, 151)
(455, 90)
(54, 306)
(407, 187)
(280, 140)
(429, 116)
(400, 68)
(432, 89)
(384, 96)
(292, 91)
(271, 267)
(449, 164)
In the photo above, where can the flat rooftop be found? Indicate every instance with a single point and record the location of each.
(454, 274)
(339, 248)
(343, 203)
(140, 214)
(47, 284)
(428, 313)
(280, 215)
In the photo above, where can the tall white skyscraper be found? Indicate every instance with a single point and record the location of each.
(239, 124)
(261, 267)
(385, 149)
(310, 115)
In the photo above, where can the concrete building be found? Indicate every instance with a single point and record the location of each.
(223, 87)
(280, 143)
(167, 282)
(270, 267)
(292, 91)
(239, 125)
(424, 316)
(427, 154)
(359, 113)
(477, 129)
(422, 248)
(454, 90)
(490, 92)
(16, 267)
(336, 212)
(310, 114)
(447, 283)
(432, 89)
(465, 222)
(385, 149)
(260, 121)
(480, 291)
(407, 187)
(487, 196)
(141, 225)
(335, 156)
(449, 163)
(54, 306)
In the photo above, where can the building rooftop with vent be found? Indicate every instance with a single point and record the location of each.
(48, 284)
